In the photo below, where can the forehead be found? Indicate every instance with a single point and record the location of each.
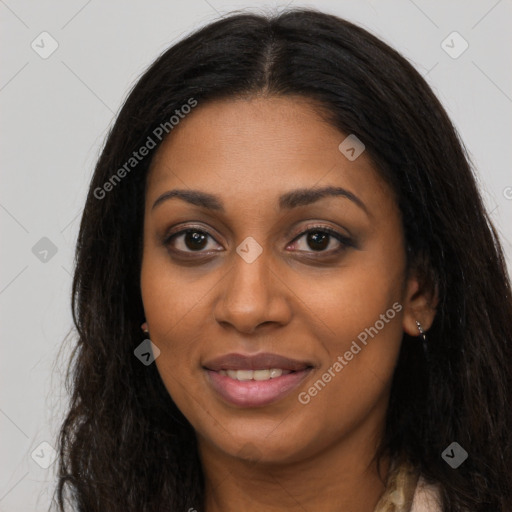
(257, 148)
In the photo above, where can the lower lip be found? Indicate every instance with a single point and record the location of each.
(255, 393)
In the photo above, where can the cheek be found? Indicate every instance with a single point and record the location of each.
(355, 296)
(361, 350)
(169, 294)
(175, 308)
(361, 307)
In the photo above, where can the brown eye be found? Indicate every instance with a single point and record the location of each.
(195, 240)
(189, 240)
(318, 239)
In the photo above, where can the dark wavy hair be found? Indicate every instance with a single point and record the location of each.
(124, 445)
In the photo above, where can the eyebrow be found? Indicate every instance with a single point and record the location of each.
(287, 201)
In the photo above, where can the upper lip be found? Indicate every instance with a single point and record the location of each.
(255, 362)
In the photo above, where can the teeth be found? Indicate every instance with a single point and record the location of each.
(243, 375)
(276, 372)
(261, 374)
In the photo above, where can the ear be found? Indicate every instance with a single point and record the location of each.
(420, 303)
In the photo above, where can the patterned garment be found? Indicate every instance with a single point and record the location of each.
(407, 491)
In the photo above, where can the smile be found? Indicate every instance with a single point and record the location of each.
(255, 388)
(255, 380)
(243, 375)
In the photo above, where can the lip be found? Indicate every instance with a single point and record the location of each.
(253, 393)
(260, 361)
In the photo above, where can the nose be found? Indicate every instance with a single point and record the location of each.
(253, 295)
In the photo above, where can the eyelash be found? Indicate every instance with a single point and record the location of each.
(344, 241)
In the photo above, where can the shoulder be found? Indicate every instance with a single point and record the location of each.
(427, 497)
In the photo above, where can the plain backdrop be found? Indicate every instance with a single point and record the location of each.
(56, 111)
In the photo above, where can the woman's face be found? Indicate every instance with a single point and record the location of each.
(249, 280)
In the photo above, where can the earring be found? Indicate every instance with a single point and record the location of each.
(144, 328)
(423, 336)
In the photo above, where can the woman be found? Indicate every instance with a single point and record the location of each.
(288, 294)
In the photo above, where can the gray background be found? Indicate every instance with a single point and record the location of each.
(57, 111)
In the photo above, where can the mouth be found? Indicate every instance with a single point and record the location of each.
(255, 381)
(259, 375)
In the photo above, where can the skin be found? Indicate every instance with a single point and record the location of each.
(286, 455)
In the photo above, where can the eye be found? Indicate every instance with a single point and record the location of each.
(189, 240)
(319, 238)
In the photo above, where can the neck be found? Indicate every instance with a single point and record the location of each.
(341, 477)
